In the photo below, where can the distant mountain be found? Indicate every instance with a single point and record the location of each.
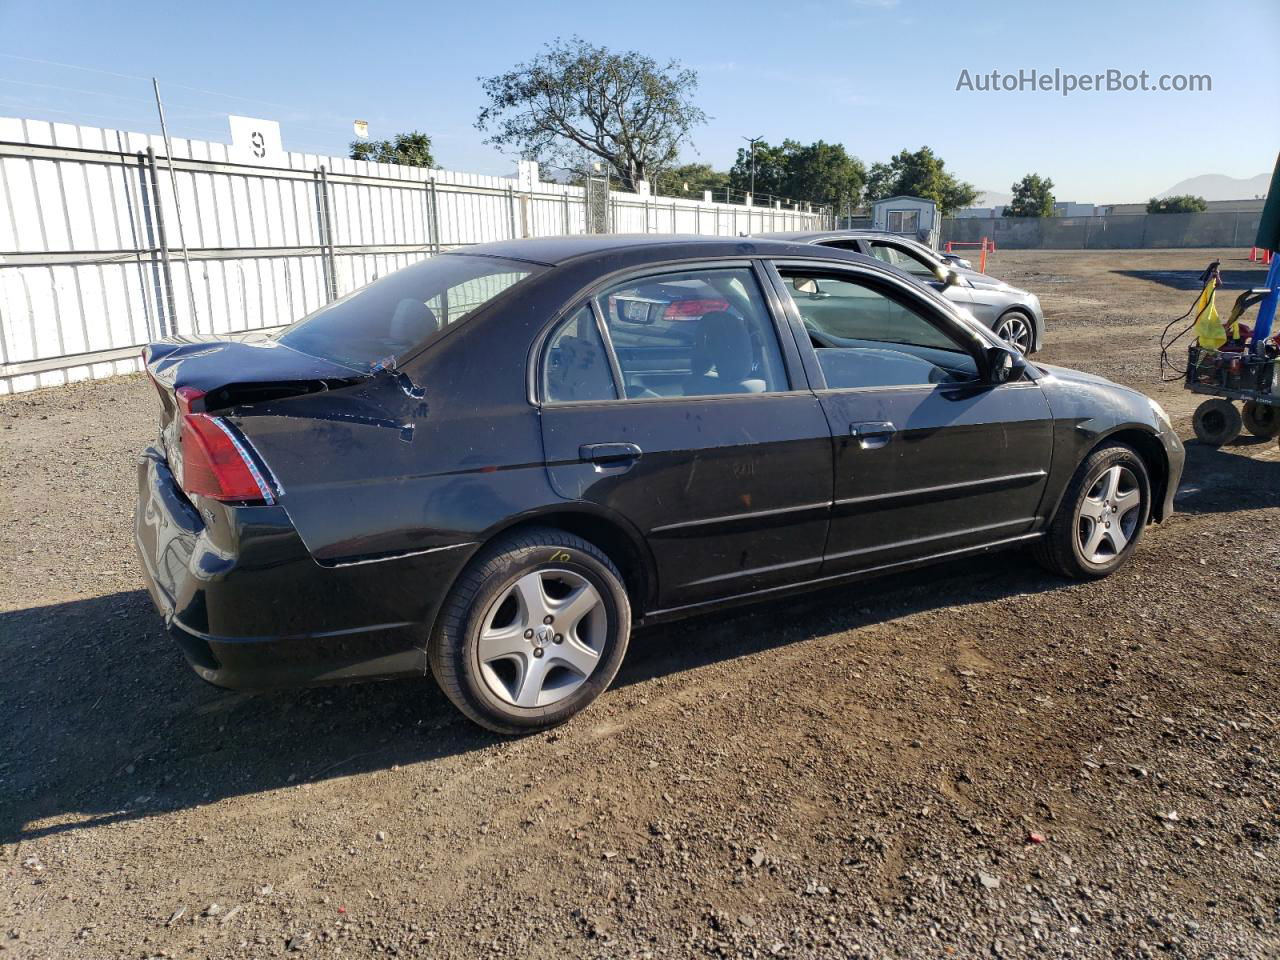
(1215, 186)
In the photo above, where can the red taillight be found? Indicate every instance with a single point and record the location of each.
(214, 464)
(682, 309)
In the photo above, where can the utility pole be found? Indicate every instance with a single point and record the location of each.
(177, 208)
(753, 141)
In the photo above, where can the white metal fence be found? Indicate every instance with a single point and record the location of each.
(93, 233)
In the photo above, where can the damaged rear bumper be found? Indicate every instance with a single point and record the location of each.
(251, 609)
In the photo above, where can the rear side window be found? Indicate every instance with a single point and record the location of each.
(700, 333)
(384, 321)
(577, 365)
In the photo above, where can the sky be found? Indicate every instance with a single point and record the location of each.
(875, 75)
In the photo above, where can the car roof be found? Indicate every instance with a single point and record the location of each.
(554, 251)
(809, 236)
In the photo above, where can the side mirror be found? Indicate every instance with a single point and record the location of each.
(1004, 365)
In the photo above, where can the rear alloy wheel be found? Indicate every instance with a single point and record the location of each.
(534, 630)
(1101, 517)
(1261, 419)
(1217, 422)
(1015, 329)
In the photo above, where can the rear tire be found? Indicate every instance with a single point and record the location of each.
(1261, 419)
(1101, 517)
(1217, 422)
(532, 632)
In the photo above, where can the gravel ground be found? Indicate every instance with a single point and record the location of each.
(980, 760)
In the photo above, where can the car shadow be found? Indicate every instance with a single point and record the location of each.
(1233, 278)
(1244, 475)
(102, 721)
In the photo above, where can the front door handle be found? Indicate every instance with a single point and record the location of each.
(615, 454)
(873, 434)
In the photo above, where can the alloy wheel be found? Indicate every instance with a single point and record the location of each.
(542, 638)
(1108, 516)
(1015, 331)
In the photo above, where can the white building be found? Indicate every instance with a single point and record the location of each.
(912, 216)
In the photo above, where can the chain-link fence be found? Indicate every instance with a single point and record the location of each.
(1121, 232)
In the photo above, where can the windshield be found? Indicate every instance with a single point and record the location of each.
(382, 322)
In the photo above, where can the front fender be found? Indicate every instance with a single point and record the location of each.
(1089, 411)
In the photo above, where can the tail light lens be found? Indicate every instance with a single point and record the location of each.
(691, 309)
(216, 464)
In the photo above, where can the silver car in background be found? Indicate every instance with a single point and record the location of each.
(1015, 315)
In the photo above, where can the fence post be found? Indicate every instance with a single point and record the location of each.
(164, 243)
(326, 236)
(434, 200)
(564, 208)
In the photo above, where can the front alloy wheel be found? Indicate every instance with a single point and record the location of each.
(1015, 329)
(1100, 517)
(1109, 514)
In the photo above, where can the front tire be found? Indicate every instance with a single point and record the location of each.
(1017, 329)
(1101, 517)
(533, 631)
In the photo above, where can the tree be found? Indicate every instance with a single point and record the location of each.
(822, 173)
(919, 174)
(1032, 197)
(409, 149)
(1184, 203)
(625, 108)
(689, 180)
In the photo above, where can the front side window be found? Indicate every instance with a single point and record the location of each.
(381, 323)
(576, 365)
(866, 338)
(904, 260)
(698, 333)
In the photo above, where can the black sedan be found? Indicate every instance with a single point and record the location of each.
(492, 464)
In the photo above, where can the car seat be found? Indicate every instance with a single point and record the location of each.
(723, 357)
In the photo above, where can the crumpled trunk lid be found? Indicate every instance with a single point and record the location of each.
(232, 372)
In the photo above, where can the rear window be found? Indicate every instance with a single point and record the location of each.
(379, 324)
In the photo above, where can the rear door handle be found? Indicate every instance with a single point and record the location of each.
(873, 434)
(616, 454)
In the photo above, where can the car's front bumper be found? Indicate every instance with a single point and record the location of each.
(251, 609)
(1176, 456)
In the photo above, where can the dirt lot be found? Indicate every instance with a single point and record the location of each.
(868, 772)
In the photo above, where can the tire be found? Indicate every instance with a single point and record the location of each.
(1069, 547)
(1017, 329)
(1217, 422)
(499, 660)
(1261, 419)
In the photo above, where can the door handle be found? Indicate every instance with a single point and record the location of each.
(610, 453)
(873, 434)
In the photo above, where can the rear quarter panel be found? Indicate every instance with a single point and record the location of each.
(430, 457)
